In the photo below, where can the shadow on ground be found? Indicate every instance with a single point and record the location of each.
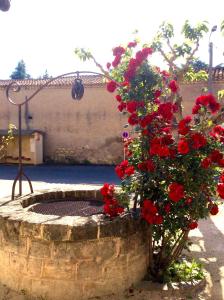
(209, 249)
(63, 174)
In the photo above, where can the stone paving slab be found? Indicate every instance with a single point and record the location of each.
(208, 247)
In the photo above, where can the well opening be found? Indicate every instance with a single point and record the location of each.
(69, 207)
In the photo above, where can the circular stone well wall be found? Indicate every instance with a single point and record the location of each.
(69, 257)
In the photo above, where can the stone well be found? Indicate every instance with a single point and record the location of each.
(68, 257)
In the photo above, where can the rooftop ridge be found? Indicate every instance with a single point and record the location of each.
(88, 80)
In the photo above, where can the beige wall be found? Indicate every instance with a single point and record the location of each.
(84, 131)
(80, 131)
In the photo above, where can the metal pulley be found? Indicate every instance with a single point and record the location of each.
(77, 89)
(4, 5)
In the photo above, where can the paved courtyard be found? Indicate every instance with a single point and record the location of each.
(208, 240)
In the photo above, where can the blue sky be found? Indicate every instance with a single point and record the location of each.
(44, 33)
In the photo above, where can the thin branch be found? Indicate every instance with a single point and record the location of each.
(99, 66)
(172, 50)
(170, 63)
(189, 58)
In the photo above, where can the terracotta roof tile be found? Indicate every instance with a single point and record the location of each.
(218, 73)
(88, 80)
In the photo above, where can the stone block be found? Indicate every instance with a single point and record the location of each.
(85, 232)
(81, 194)
(55, 232)
(96, 289)
(25, 284)
(34, 267)
(38, 248)
(44, 289)
(70, 194)
(106, 250)
(18, 263)
(30, 230)
(11, 229)
(4, 258)
(89, 270)
(129, 244)
(59, 250)
(116, 269)
(118, 227)
(59, 269)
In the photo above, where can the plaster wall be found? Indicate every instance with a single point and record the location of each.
(88, 131)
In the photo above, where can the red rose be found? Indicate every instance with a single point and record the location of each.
(147, 51)
(116, 61)
(173, 86)
(216, 155)
(150, 165)
(165, 74)
(118, 98)
(107, 189)
(221, 163)
(220, 190)
(121, 106)
(133, 64)
(167, 207)
(206, 162)
(133, 119)
(213, 105)
(166, 110)
(202, 100)
(167, 139)
(163, 151)
(111, 86)
(119, 171)
(158, 219)
(129, 74)
(118, 51)
(124, 164)
(132, 106)
(214, 209)
(139, 57)
(208, 101)
(112, 208)
(183, 147)
(155, 146)
(222, 177)
(132, 44)
(193, 225)
(183, 127)
(157, 93)
(218, 130)
(142, 166)
(145, 121)
(149, 212)
(198, 140)
(176, 191)
(130, 170)
(195, 109)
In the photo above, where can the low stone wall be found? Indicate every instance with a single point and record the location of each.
(69, 257)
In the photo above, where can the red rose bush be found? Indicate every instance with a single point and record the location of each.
(171, 175)
(172, 170)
